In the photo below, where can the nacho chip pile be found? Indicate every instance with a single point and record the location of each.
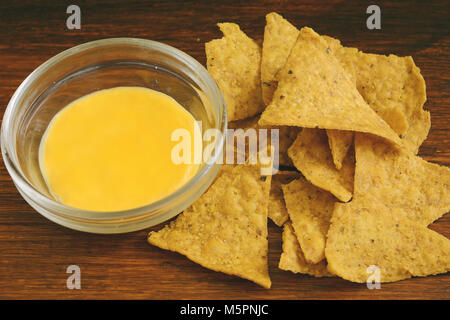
(351, 124)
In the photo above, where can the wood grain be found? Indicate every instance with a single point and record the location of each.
(34, 252)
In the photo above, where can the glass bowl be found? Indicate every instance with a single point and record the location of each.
(100, 65)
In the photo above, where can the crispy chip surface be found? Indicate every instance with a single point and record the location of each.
(235, 62)
(292, 258)
(279, 38)
(310, 210)
(277, 207)
(312, 157)
(367, 233)
(343, 55)
(401, 180)
(226, 228)
(314, 90)
(394, 87)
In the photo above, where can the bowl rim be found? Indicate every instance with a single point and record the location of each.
(18, 177)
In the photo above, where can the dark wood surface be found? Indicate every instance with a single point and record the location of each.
(34, 252)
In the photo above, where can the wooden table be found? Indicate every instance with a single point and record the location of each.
(34, 252)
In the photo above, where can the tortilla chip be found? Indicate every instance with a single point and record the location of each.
(364, 234)
(287, 136)
(312, 157)
(401, 180)
(226, 228)
(310, 210)
(340, 142)
(277, 207)
(292, 258)
(279, 38)
(395, 89)
(315, 91)
(235, 62)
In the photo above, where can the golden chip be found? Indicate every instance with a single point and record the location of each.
(366, 236)
(277, 207)
(310, 210)
(226, 228)
(235, 62)
(318, 92)
(401, 180)
(279, 38)
(292, 258)
(312, 157)
(395, 89)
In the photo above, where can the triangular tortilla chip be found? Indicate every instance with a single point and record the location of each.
(312, 157)
(315, 91)
(340, 142)
(279, 38)
(401, 180)
(310, 210)
(226, 228)
(235, 62)
(391, 85)
(277, 207)
(367, 233)
(395, 89)
(292, 258)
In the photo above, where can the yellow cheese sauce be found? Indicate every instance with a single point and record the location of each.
(111, 150)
